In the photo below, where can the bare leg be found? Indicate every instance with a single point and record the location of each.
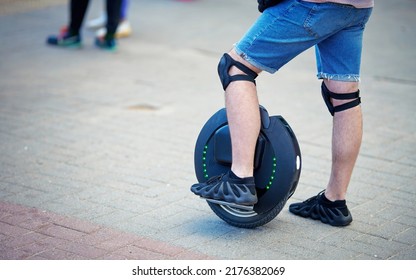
(346, 141)
(244, 120)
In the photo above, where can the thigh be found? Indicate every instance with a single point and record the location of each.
(284, 31)
(338, 56)
(277, 36)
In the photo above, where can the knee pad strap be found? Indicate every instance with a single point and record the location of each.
(224, 66)
(327, 95)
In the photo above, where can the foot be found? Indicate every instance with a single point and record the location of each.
(229, 188)
(318, 207)
(106, 43)
(65, 39)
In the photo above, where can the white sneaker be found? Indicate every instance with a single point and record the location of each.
(123, 30)
(97, 22)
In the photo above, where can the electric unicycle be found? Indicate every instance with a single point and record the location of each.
(277, 167)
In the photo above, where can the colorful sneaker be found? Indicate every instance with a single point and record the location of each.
(229, 188)
(64, 39)
(318, 207)
(123, 30)
(106, 43)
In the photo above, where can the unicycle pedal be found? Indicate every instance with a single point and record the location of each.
(230, 204)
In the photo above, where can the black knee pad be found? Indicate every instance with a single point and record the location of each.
(327, 95)
(224, 66)
(264, 4)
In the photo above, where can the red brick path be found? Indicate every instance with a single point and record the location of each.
(30, 233)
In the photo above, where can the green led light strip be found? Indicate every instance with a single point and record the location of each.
(271, 179)
(204, 164)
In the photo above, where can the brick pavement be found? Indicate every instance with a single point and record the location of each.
(101, 145)
(32, 234)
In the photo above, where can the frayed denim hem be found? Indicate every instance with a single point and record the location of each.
(339, 77)
(253, 62)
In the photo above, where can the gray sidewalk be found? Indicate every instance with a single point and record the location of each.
(97, 143)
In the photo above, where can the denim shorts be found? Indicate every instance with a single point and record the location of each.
(293, 26)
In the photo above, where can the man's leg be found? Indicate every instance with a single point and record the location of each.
(243, 113)
(108, 41)
(346, 141)
(124, 9)
(78, 9)
(70, 36)
(330, 206)
(113, 8)
(243, 120)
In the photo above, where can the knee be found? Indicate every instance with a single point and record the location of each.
(230, 70)
(340, 96)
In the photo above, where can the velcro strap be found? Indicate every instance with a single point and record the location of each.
(243, 68)
(340, 96)
(241, 78)
(344, 96)
(347, 105)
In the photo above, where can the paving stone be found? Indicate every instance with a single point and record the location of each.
(96, 154)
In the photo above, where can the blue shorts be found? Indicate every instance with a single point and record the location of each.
(293, 26)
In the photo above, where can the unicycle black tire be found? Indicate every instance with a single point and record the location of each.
(252, 222)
